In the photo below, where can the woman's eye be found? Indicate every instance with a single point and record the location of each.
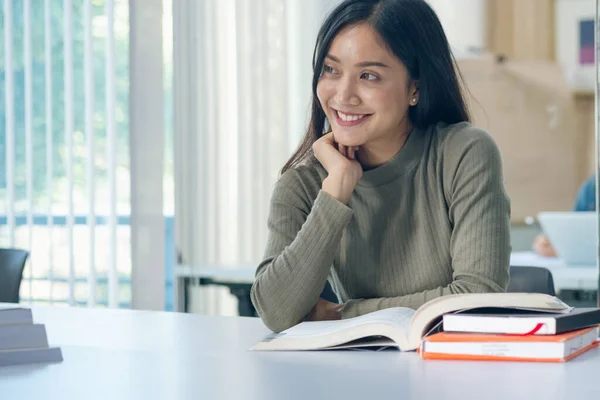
(369, 77)
(329, 70)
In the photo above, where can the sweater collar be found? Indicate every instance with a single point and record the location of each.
(408, 156)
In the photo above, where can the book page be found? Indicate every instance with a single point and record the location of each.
(373, 343)
(398, 317)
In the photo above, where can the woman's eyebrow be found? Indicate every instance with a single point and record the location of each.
(360, 64)
(371, 64)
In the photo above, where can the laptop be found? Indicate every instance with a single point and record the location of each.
(573, 235)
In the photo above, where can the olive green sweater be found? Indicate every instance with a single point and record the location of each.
(432, 221)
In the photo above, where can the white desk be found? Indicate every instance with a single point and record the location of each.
(565, 277)
(117, 354)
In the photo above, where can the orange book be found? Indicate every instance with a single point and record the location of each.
(490, 347)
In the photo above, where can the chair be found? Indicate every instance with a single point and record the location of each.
(12, 263)
(328, 293)
(531, 280)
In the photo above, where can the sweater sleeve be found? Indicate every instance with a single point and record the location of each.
(479, 211)
(301, 246)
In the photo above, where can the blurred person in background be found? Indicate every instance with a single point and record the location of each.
(585, 201)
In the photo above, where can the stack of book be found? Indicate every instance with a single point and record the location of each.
(514, 335)
(22, 341)
(503, 326)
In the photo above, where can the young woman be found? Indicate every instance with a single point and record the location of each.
(392, 195)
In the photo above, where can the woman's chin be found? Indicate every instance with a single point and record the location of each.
(347, 140)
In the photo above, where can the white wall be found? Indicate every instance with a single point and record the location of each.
(147, 155)
(303, 22)
(465, 24)
(568, 14)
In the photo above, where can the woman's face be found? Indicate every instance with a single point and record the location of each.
(364, 90)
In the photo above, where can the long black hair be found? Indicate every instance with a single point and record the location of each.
(414, 34)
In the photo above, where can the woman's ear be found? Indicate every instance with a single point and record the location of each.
(414, 93)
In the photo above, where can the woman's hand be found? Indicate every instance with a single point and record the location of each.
(325, 311)
(343, 170)
(543, 247)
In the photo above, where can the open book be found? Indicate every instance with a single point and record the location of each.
(400, 327)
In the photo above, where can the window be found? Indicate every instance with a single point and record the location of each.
(59, 188)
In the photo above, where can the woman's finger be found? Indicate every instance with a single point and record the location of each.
(328, 137)
(351, 153)
(327, 152)
(343, 149)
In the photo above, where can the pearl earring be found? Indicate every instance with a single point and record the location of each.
(414, 100)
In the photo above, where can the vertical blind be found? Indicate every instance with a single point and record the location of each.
(64, 144)
(241, 91)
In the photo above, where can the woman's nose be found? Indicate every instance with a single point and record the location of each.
(346, 93)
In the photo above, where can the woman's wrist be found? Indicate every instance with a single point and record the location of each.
(333, 186)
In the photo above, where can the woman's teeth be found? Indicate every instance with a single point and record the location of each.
(349, 118)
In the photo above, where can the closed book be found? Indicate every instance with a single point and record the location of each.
(15, 315)
(22, 341)
(30, 356)
(22, 336)
(490, 347)
(533, 323)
